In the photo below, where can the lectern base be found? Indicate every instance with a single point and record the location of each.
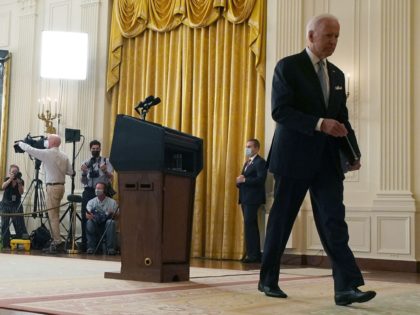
(167, 273)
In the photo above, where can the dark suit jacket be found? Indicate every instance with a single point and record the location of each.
(297, 105)
(253, 190)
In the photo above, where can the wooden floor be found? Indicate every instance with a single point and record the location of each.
(400, 277)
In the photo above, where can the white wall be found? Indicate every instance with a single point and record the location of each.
(376, 49)
(84, 103)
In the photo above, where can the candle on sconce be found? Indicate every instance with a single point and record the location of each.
(49, 104)
(55, 107)
(348, 83)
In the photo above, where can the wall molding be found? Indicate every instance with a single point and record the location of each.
(395, 100)
(363, 263)
(289, 27)
(5, 28)
(90, 2)
(394, 223)
(28, 7)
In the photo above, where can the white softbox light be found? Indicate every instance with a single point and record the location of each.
(64, 55)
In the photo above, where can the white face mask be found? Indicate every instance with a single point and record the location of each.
(99, 192)
(248, 152)
(46, 144)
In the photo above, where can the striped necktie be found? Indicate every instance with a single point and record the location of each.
(323, 80)
(248, 163)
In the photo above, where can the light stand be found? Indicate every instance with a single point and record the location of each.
(72, 135)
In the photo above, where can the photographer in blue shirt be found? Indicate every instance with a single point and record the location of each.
(101, 215)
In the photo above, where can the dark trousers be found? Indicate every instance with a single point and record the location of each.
(18, 224)
(88, 194)
(326, 192)
(252, 234)
(95, 232)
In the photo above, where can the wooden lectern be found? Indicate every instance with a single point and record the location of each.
(157, 167)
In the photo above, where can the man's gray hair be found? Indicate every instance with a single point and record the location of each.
(314, 22)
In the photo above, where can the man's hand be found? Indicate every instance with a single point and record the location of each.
(240, 179)
(22, 145)
(84, 168)
(103, 167)
(356, 166)
(89, 215)
(333, 128)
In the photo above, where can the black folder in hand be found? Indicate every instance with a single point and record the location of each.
(349, 151)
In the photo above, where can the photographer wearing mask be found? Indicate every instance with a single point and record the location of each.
(97, 169)
(57, 166)
(101, 214)
(11, 203)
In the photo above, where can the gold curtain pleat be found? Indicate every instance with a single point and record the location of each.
(210, 86)
(130, 18)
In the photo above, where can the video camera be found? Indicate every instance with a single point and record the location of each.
(35, 142)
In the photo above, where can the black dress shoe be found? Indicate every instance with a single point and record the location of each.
(272, 292)
(344, 298)
(248, 260)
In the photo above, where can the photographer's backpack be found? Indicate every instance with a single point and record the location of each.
(40, 237)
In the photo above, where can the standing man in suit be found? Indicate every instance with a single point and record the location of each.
(251, 184)
(309, 107)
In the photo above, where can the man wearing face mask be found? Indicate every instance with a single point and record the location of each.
(11, 203)
(96, 169)
(251, 184)
(56, 165)
(101, 214)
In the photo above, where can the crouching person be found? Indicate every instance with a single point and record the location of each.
(101, 215)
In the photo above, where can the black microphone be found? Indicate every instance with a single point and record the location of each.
(147, 100)
(153, 102)
(142, 103)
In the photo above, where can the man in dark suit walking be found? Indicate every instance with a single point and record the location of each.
(251, 184)
(309, 107)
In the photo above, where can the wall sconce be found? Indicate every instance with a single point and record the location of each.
(48, 112)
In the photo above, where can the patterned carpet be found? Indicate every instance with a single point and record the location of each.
(51, 285)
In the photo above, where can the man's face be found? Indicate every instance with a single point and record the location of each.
(14, 170)
(95, 150)
(324, 38)
(99, 189)
(250, 145)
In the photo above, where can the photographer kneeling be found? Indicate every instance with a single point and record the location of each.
(56, 166)
(11, 203)
(97, 169)
(101, 215)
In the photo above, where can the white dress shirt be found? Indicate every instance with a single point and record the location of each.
(56, 163)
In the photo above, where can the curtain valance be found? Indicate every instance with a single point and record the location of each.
(130, 18)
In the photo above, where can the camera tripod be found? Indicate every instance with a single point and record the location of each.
(39, 196)
(70, 241)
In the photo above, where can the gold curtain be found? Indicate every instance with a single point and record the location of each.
(206, 60)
